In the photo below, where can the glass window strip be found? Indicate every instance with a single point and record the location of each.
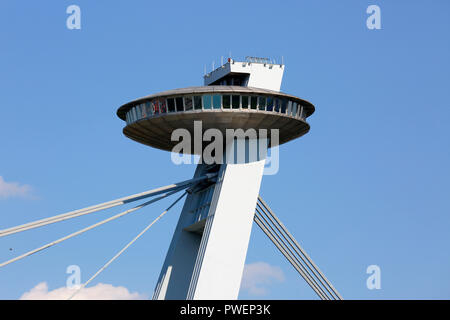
(197, 102)
(269, 105)
(179, 104)
(254, 102)
(217, 101)
(207, 105)
(276, 105)
(226, 99)
(188, 103)
(244, 102)
(235, 101)
(261, 103)
(283, 106)
(171, 104)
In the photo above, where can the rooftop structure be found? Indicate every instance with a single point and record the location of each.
(254, 72)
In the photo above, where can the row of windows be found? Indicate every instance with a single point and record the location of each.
(215, 101)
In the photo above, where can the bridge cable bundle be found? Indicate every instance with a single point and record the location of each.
(264, 218)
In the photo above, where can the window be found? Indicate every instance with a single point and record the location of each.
(244, 102)
(179, 102)
(134, 114)
(302, 113)
(294, 109)
(138, 111)
(127, 117)
(289, 108)
(155, 105)
(277, 105)
(283, 105)
(143, 111)
(171, 104)
(138, 116)
(269, 104)
(226, 101)
(207, 101)
(197, 102)
(253, 102)
(262, 103)
(162, 106)
(188, 103)
(148, 108)
(235, 102)
(217, 101)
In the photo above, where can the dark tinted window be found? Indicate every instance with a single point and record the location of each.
(277, 105)
(269, 104)
(197, 102)
(262, 103)
(226, 101)
(187, 103)
(244, 102)
(253, 102)
(179, 104)
(235, 101)
(171, 104)
(283, 105)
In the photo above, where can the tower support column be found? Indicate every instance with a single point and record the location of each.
(207, 254)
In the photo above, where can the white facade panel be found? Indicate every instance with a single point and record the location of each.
(221, 260)
(261, 75)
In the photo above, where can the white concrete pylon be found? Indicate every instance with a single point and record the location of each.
(207, 254)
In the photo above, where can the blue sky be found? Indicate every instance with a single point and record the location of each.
(369, 184)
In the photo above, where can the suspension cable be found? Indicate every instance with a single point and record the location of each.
(287, 256)
(321, 276)
(48, 245)
(290, 246)
(103, 206)
(126, 247)
(281, 240)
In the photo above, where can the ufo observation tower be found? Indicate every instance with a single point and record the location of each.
(229, 123)
(207, 253)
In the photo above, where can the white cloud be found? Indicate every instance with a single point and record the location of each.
(100, 291)
(257, 276)
(13, 189)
